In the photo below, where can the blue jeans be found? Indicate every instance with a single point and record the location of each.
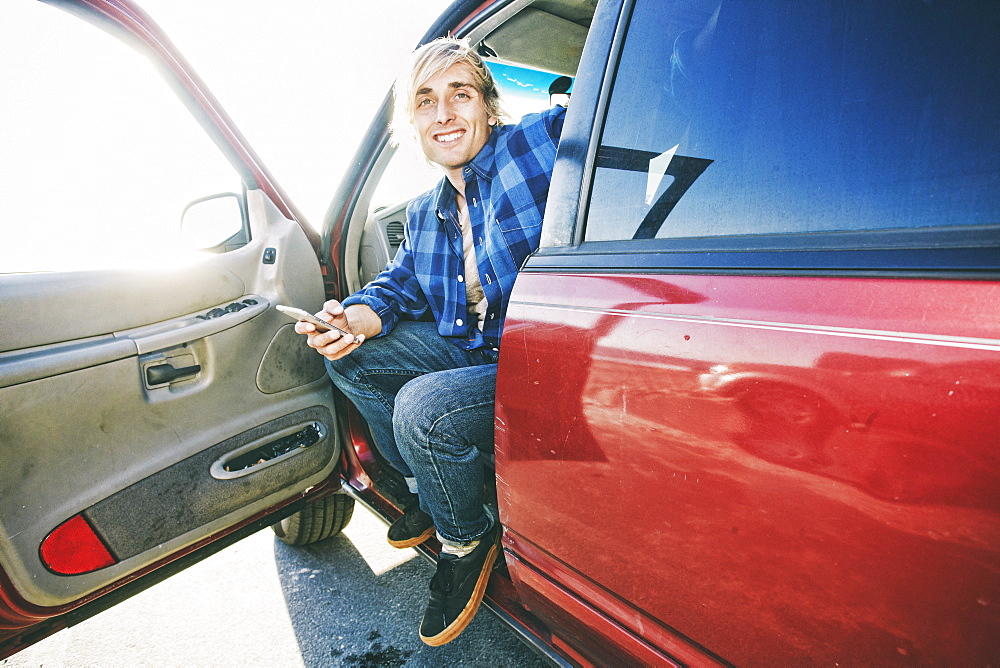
(429, 405)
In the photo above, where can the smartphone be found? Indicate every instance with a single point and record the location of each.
(299, 314)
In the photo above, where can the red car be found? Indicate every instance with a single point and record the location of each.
(748, 407)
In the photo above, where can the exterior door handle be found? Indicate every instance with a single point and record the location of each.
(165, 373)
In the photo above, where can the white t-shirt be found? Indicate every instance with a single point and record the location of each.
(475, 300)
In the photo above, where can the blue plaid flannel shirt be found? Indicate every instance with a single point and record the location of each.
(506, 186)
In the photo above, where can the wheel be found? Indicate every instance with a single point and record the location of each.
(321, 519)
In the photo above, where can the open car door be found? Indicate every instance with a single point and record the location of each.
(149, 407)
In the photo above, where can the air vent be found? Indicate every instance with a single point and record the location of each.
(394, 233)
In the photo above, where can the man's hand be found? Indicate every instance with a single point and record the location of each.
(359, 323)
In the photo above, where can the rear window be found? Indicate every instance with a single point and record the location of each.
(743, 118)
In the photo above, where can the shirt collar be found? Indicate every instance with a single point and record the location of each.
(482, 165)
(485, 160)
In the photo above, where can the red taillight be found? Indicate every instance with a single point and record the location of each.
(73, 548)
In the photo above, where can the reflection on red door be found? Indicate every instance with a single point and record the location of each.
(765, 470)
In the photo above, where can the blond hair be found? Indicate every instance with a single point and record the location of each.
(429, 59)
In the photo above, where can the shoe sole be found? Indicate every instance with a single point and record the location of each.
(469, 611)
(412, 542)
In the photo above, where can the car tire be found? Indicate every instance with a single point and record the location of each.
(318, 521)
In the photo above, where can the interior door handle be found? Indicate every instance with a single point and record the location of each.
(165, 373)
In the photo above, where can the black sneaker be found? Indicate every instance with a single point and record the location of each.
(412, 529)
(457, 589)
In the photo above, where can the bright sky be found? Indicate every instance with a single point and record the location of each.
(302, 79)
(80, 115)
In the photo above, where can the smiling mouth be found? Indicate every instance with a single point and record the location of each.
(451, 136)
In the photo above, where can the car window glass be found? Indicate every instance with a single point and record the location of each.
(97, 157)
(524, 90)
(738, 118)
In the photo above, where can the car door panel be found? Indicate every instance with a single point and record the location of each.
(83, 304)
(816, 464)
(90, 428)
(769, 429)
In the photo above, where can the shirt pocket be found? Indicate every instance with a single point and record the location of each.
(521, 229)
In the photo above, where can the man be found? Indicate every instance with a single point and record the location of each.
(426, 387)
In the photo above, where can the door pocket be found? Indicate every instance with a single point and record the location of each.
(197, 491)
(268, 451)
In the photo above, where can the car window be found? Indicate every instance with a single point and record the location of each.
(97, 157)
(525, 90)
(741, 118)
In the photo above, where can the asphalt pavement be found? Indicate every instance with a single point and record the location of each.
(351, 600)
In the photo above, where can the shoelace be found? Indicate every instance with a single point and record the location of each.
(444, 577)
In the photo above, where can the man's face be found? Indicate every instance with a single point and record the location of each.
(451, 119)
